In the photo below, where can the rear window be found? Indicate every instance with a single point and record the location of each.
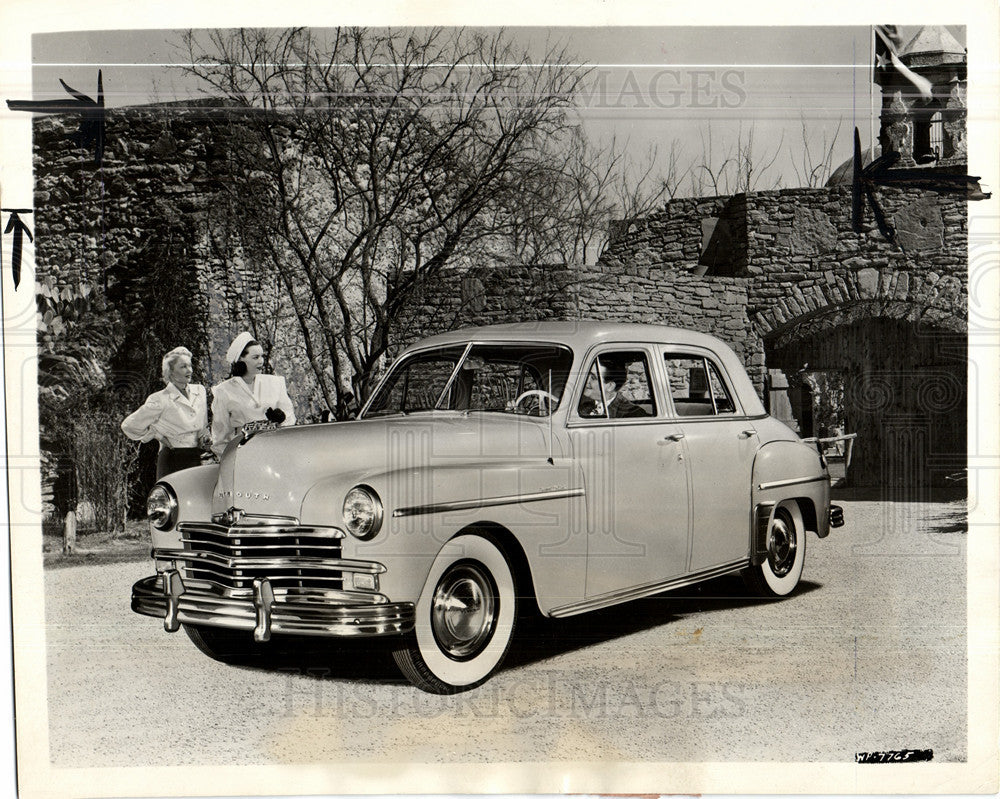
(697, 387)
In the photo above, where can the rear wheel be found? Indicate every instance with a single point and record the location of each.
(464, 618)
(225, 645)
(786, 553)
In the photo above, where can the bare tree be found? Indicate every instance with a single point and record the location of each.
(585, 187)
(742, 167)
(365, 161)
(813, 169)
(644, 184)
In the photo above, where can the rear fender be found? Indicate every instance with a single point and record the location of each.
(791, 470)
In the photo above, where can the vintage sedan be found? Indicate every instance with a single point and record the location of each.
(551, 468)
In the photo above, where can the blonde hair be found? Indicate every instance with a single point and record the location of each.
(170, 360)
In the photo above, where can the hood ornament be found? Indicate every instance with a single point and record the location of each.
(230, 517)
(250, 429)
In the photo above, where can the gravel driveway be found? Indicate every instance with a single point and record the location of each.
(869, 654)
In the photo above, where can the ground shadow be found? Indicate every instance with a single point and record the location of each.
(536, 639)
(898, 494)
(541, 638)
(952, 520)
(361, 660)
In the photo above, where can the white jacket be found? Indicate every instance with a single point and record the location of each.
(234, 403)
(169, 416)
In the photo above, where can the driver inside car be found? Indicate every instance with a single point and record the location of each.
(613, 377)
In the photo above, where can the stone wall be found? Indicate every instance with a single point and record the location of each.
(774, 274)
(804, 256)
(140, 217)
(150, 213)
(489, 294)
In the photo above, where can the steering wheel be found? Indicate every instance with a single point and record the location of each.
(540, 393)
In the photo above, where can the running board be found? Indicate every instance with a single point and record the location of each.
(627, 595)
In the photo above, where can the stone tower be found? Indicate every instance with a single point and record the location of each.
(925, 131)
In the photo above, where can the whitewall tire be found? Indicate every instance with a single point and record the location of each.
(786, 554)
(464, 618)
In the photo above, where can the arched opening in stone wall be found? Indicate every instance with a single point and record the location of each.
(875, 370)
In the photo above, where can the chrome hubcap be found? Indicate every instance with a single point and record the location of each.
(781, 546)
(464, 611)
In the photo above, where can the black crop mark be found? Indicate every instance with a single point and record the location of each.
(880, 173)
(16, 226)
(92, 115)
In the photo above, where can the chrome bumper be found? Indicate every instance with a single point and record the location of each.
(165, 596)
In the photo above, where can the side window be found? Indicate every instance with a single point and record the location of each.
(723, 402)
(697, 387)
(618, 386)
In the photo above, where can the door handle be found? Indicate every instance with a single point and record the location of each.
(673, 437)
(748, 433)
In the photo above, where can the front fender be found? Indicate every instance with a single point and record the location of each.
(425, 507)
(193, 488)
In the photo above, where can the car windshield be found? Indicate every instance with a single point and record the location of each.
(525, 379)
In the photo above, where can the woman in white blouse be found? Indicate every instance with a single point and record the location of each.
(247, 396)
(177, 416)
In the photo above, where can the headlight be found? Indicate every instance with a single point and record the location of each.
(362, 512)
(161, 507)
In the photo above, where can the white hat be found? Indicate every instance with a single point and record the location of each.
(236, 348)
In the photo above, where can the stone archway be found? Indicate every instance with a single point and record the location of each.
(926, 299)
(903, 367)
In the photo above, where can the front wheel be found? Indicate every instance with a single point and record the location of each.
(786, 554)
(464, 618)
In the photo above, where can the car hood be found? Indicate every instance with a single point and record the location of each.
(272, 472)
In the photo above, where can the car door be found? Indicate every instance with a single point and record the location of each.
(720, 444)
(635, 477)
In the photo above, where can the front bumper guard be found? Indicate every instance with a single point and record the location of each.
(165, 596)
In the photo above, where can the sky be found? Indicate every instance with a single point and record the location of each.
(650, 85)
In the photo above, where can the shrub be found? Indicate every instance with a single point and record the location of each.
(105, 464)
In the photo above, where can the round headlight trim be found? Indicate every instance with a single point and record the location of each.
(161, 507)
(362, 512)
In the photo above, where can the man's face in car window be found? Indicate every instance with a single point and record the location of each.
(593, 387)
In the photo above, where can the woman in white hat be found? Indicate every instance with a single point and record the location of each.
(177, 416)
(248, 395)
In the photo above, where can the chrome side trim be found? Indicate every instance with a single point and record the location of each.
(793, 482)
(628, 594)
(486, 502)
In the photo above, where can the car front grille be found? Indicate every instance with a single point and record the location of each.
(298, 559)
